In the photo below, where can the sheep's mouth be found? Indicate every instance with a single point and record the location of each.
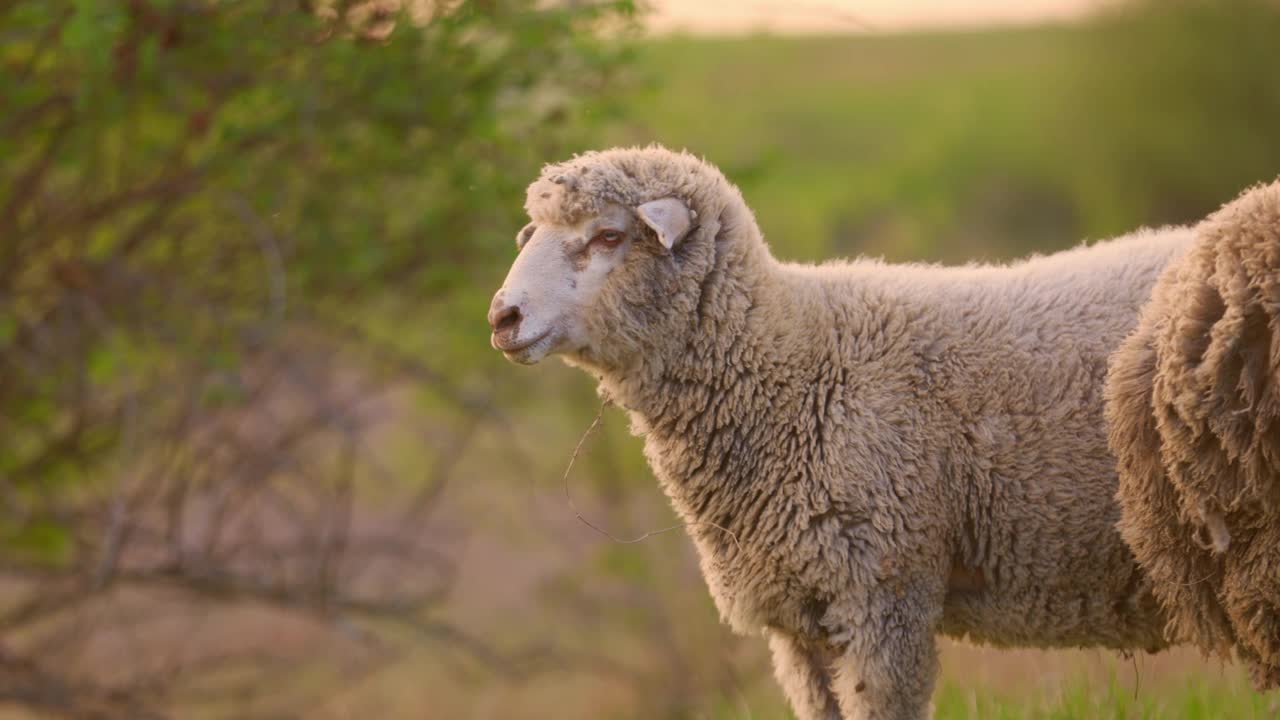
(518, 351)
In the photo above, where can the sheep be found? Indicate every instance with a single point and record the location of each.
(865, 455)
(1193, 408)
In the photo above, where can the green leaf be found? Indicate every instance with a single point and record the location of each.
(8, 328)
(44, 541)
(104, 364)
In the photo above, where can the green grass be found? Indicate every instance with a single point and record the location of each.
(1221, 699)
(1195, 701)
(1078, 701)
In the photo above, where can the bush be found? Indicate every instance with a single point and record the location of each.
(200, 204)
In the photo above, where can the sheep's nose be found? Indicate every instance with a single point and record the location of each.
(503, 316)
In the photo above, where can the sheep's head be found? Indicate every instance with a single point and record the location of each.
(577, 281)
(612, 269)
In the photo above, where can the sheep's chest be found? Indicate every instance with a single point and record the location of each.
(757, 588)
(760, 557)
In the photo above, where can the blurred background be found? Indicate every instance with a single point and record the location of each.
(257, 459)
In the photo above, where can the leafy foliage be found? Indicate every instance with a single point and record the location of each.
(201, 204)
(181, 178)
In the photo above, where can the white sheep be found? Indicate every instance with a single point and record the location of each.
(867, 455)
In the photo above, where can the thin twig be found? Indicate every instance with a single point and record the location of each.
(1193, 583)
(623, 541)
(1137, 675)
(272, 258)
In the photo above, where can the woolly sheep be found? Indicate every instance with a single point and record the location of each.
(1193, 408)
(866, 455)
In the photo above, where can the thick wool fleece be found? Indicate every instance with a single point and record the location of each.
(1194, 411)
(896, 451)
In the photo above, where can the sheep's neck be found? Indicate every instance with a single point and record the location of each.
(709, 416)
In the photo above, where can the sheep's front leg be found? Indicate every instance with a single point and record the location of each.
(805, 678)
(888, 668)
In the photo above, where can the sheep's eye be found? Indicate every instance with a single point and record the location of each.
(608, 237)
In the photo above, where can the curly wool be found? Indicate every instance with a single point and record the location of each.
(897, 450)
(1194, 412)
(566, 192)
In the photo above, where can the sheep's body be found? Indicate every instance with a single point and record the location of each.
(877, 419)
(900, 451)
(868, 455)
(1194, 411)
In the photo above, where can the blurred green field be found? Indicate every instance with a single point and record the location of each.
(846, 145)
(960, 147)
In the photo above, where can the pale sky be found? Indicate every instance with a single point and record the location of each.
(835, 16)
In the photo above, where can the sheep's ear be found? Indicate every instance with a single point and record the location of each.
(669, 218)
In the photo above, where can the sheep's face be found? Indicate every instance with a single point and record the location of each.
(567, 280)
